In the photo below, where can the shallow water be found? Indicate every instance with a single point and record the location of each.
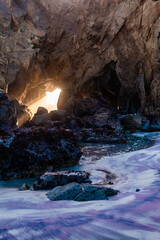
(128, 216)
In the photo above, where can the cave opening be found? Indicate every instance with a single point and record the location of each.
(106, 87)
(49, 101)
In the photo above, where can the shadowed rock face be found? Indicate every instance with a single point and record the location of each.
(33, 151)
(83, 47)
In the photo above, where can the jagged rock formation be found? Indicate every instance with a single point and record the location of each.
(31, 152)
(85, 48)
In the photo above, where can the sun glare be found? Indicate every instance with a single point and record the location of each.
(52, 97)
(49, 101)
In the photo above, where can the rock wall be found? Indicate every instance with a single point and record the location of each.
(81, 46)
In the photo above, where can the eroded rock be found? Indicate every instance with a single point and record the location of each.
(135, 122)
(50, 180)
(33, 151)
(80, 192)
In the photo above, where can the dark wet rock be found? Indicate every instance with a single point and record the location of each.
(67, 192)
(44, 119)
(4, 133)
(154, 128)
(74, 123)
(33, 151)
(39, 119)
(101, 117)
(41, 110)
(100, 120)
(87, 106)
(57, 115)
(4, 157)
(140, 122)
(55, 124)
(50, 180)
(135, 122)
(5, 153)
(102, 135)
(24, 187)
(8, 118)
(80, 192)
(2, 95)
(91, 192)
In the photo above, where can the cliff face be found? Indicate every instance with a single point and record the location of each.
(107, 47)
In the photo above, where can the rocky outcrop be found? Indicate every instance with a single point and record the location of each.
(103, 127)
(33, 151)
(50, 180)
(80, 192)
(110, 48)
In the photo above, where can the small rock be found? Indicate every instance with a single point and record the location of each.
(137, 190)
(41, 110)
(24, 187)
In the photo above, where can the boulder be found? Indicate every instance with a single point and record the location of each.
(74, 123)
(87, 106)
(106, 118)
(40, 117)
(101, 118)
(80, 192)
(134, 122)
(41, 110)
(50, 180)
(34, 151)
(39, 120)
(57, 115)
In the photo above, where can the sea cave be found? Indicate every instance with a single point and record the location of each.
(79, 119)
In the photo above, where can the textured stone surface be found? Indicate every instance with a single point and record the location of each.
(80, 192)
(8, 117)
(135, 122)
(50, 180)
(33, 151)
(82, 46)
